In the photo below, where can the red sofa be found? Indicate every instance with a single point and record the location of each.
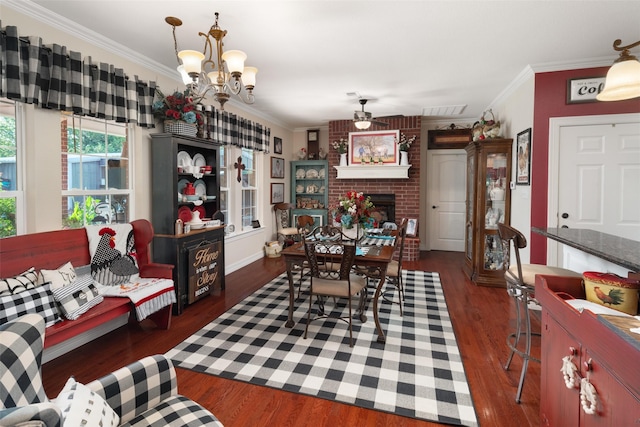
(51, 249)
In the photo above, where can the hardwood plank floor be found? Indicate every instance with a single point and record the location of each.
(482, 318)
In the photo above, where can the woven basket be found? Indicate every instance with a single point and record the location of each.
(180, 128)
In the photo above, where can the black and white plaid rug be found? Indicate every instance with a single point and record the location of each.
(417, 373)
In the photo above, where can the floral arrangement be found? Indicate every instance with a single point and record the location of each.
(341, 145)
(405, 143)
(353, 208)
(179, 106)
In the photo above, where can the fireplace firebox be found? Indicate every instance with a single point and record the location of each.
(385, 204)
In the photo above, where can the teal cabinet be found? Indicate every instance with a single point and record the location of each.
(310, 189)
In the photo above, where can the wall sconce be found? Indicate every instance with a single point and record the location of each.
(623, 78)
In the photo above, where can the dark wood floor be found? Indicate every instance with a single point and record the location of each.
(481, 317)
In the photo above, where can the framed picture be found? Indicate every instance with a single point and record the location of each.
(584, 90)
(377, 145)
(277, 192)
(277, 145)
(412, 227)
(277, 167)
(523, 156)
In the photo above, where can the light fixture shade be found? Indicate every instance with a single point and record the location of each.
(235, 60)
(185, 77)
(213, 77)
(362, 124)
(249, 77)
(622, 82)
(191, 60)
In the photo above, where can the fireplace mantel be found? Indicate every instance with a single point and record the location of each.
(372, 172)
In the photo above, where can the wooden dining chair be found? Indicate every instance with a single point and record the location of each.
(304, 224)
(286, 231)
(324, 251)
(394, 269)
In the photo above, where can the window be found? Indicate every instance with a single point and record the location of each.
(11, 191)
(96, 173)
(244, 209)
(249, 189)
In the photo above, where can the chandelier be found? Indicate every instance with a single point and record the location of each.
(623, 78)
(223, 76)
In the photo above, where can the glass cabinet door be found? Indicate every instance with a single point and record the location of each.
(496, 182)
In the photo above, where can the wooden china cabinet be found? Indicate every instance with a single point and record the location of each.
(198, 256)
(488, 203)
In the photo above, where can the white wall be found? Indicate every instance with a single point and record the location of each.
(515, 112)
(43, 182)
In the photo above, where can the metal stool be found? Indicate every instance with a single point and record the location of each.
(520, 280)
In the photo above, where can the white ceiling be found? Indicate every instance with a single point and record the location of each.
(409, 56)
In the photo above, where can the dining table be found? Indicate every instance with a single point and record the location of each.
(372, 258)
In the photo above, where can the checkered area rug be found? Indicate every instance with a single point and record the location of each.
(417, 373)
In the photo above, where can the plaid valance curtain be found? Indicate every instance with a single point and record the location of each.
(229, 129)
(51, 77)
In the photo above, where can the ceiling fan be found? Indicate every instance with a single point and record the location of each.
(362, 119)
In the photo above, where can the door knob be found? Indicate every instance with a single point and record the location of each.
(434, 207)
(565, 215)
(565, 226)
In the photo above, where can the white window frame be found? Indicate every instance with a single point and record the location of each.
(235, 189)
(130, 191)
(18, 193)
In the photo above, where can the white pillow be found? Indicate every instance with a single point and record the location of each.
(82, 407)
(64, 275)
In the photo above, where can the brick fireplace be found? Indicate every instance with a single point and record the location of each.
(406, 191)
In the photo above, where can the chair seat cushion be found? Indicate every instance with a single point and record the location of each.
(392, 268)
(529, 272)
(175, 411)
(289, 231)
(338, 288)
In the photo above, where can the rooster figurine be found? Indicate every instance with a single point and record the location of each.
(615, 296)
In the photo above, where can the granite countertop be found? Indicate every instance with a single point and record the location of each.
(618, 250)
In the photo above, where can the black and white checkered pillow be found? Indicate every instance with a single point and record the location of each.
(77, 297)
(21, 343)
(37, 300)
(19, 283)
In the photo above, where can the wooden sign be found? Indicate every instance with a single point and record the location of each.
(204, 269)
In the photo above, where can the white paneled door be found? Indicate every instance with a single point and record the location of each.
(603, 161)
(446, 174)
(595, 179)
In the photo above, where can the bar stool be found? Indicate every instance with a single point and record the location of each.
(520, 280)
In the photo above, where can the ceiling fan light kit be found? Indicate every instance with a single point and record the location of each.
(362, 119)
(623, 78)
(225, 76)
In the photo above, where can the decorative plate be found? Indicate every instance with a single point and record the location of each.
(181, 184)
(321, 173)
(300, 173)
(184, 159)
(299, 188)
(184, 213)
(230, 228)
(201, 187)
(312, 173)
(198, 160)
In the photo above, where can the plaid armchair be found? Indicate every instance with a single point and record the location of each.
(143, 393)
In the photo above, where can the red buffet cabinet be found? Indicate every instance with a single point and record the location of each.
(602, 349)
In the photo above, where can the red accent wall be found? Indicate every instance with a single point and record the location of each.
(407, 191)
(550, 101)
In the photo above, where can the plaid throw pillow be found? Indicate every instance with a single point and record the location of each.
(82, 407)
(77, 297)
(19, 283)
(21, 343)
(37, 300)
